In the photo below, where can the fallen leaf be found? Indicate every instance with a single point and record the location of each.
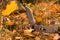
(9, 23)
(10, 8)
(28, 32)
(38, 19)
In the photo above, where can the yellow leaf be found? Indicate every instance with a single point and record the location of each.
(25, 22)
(29, 4)
(38, 19)
(9, 8)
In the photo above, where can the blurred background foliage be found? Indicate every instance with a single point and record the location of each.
(16, 24)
